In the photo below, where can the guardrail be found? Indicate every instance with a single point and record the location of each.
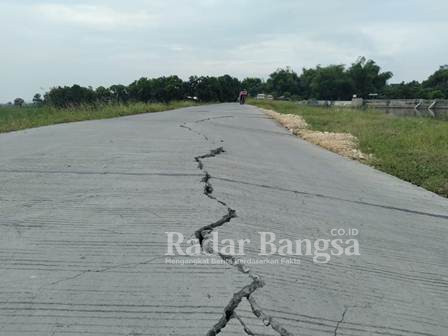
(419, 104)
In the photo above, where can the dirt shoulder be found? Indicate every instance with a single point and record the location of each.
(344, 144)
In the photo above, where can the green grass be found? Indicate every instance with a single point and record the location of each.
(15, 118)
(413, 149)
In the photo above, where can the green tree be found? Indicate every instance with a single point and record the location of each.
(165, 89)
(207, 88)
(19, 102)
(253, 85)
(229, 88)
(284, 82)
(119, 93)
(140, 90)
(331, 83)
(103, 95)
(70, 96)
(306, 78)
(37, 99)
(367, 77)
(403, 90)
(438, 81)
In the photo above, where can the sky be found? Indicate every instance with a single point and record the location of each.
(98, 42)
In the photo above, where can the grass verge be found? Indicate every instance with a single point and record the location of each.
(14, 118)
(413, 149)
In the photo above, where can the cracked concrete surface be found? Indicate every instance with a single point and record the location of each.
(340, 321)
(85, 207)
(203, 234)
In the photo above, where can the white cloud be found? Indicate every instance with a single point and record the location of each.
(91, 16)
(113, 41)
(392, 39)
(271, 52)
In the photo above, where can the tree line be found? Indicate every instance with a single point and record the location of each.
(364, 78)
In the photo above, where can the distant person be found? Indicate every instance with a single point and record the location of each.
(242, 96)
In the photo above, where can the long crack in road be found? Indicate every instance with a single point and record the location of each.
(203, 235)
(86, 208)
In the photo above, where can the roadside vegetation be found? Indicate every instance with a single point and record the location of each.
(413, 149)
(332, 82)
(13, 118)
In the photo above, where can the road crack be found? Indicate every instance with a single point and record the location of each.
(204, 235)
(338, 323)
(192, 130)
(245, 327)
(212, 118)
(99, 270)
(335, 198)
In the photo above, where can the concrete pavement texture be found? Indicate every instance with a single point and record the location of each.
(85, 208)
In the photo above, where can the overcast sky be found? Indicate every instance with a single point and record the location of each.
(99, 42)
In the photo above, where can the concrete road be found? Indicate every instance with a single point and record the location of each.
(85, 207)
